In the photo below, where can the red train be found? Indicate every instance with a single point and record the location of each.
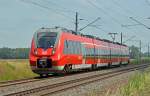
(56, 50)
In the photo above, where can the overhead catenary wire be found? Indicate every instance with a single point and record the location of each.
(48, 8)
(148, 2)
(61, 8)
(139, 22)
(100, 9)
(89, 24)
(107, 14)
(121, 7)
(100, 29)
(115, 11)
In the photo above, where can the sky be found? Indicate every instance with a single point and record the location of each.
(19, 19)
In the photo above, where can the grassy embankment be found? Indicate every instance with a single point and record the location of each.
(137, 85)
(18, 69)
(137, 61)
(15, 69)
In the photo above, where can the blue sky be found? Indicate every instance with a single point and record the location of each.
(19, 19)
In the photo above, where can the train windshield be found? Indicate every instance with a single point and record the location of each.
(46, 39)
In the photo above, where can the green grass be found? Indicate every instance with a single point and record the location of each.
(139, 85)
(137, 61)
(15, 69)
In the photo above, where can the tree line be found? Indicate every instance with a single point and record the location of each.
(14, 53)
(23, 53)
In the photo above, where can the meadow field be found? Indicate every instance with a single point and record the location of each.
(12, 69)
(137, 85)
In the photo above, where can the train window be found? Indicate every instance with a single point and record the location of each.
(90, 52)
(105, 53)
(83, 50)
(93, 53)
(75, 47)
(87, 52)
(96, 51)
(69, 47)
(99, 51)
(65, 50)
(46, 39)
(78, 47)
(112, 53)
(72, 47)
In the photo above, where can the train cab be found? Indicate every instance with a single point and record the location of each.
(43, 50)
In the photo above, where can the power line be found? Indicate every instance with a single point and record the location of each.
(121, 7)
(132, 37)
(99, 28)
(147, 1)
(130, 25)
(107, 14)
(45, 7)
(139, 22)
(89, 24)
(127, 10)
(116, 11)
(63, 9)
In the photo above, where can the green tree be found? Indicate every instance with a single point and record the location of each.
(14, 53)
(134, 52)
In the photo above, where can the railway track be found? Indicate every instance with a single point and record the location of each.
(14, 82)
(34, 79)
(65, 85)
(23, 81)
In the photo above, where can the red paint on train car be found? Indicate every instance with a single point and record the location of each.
(57, 50)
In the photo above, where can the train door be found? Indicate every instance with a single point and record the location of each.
(83, 54)
(110, 55)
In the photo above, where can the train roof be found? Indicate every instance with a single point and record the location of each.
(60, 29)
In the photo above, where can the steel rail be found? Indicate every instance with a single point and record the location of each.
(34, 79)
(62, 86)
(15, 82)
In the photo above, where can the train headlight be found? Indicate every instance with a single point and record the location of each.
(53, 51)
(35, 52)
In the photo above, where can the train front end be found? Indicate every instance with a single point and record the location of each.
(43, 56)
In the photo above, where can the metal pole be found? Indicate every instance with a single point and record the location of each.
(76, 23)
(113, 36)
(121, 37)
(140, 52)
(148, 49)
